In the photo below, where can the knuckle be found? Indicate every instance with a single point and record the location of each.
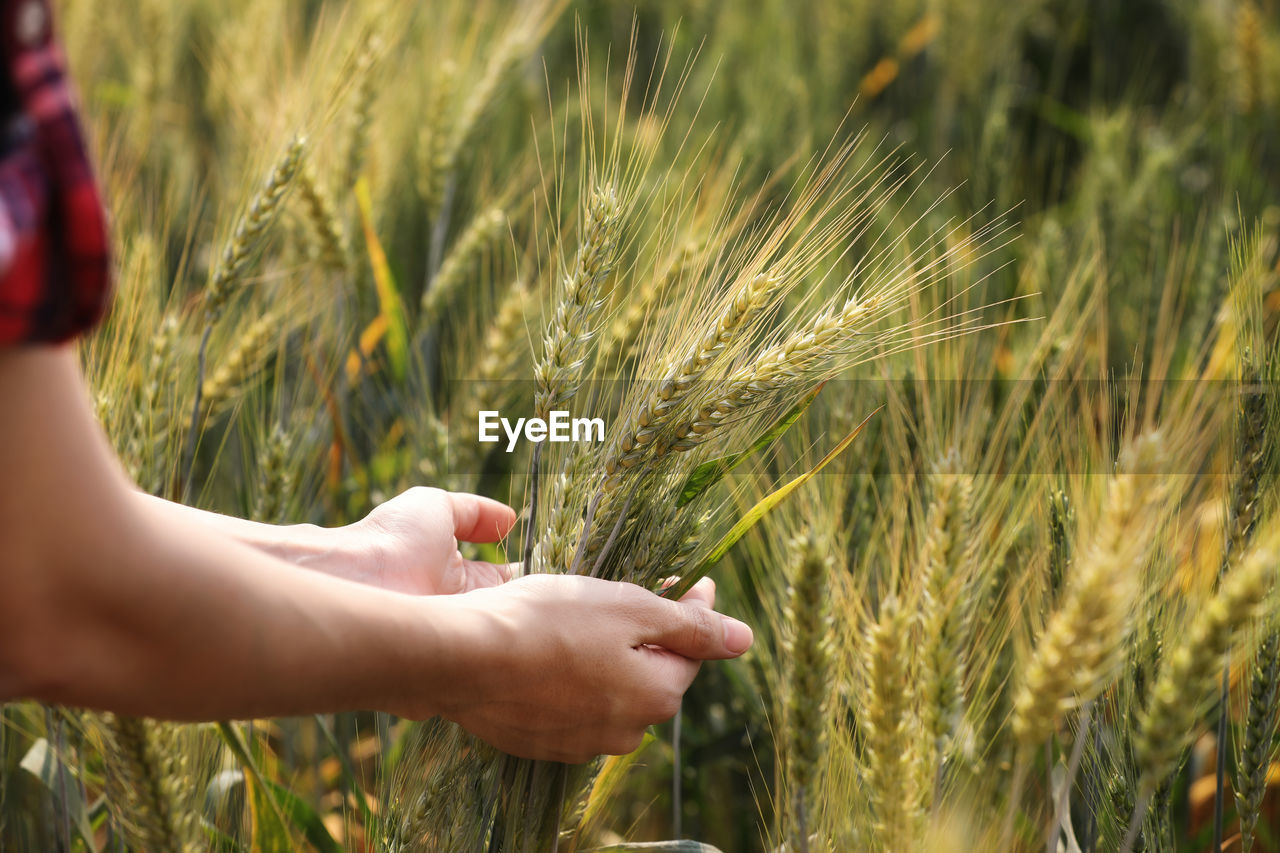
(701, 627)
(631, 595)
(423, 493)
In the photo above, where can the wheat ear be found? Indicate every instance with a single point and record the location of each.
(244, 360)
(1242, 513)
(807, 646)
(559, 371)
(323, 218)
(778, 366)
(250, 228)
(888, 724)
(1188, 675)
(1248, 33)
(433, 140)
(943, 617)
(1075, 656)
(362, 113)
(1258, 748)
(275, 479)
(750, 300)
(482, 232)
(142, 788)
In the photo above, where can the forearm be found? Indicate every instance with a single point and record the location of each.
(181, 623)
(109, 606)
(305, 545)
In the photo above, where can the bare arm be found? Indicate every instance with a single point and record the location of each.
(404, 545)
(110, 606)
(302, 544)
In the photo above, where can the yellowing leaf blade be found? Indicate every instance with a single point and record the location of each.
(389, 302)
(757, 512)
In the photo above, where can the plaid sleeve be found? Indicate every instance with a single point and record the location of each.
(54, 263)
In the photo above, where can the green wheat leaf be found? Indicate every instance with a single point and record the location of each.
(713, 471)
(757, 512)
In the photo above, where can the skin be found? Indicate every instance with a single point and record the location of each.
(118, 601)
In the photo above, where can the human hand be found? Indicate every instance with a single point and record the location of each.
(410, 543)
(565, 668)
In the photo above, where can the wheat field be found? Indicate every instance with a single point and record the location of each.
(942, 334)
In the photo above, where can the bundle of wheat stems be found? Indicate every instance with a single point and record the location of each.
(767, 317)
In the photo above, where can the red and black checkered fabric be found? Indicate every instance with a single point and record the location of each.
(54, 263)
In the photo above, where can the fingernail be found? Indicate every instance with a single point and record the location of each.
(737, 635)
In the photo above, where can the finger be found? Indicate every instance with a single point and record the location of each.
(691, 629)
(478, 519)
(481, 575)
(703, 593)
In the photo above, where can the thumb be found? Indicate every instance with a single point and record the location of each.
(693, 630)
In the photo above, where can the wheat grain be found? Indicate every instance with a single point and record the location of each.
(249, 230)
(888, 724)
(241, 363)
(807, 647)
(323, 218)
(482, 232)
(143, 789)
(1077, 653)
(943, 617)
(559, 370)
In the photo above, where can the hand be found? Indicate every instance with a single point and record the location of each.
(410, 543)
(572, 667)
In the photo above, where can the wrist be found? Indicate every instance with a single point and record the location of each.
(469, 653)
(331, 550)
